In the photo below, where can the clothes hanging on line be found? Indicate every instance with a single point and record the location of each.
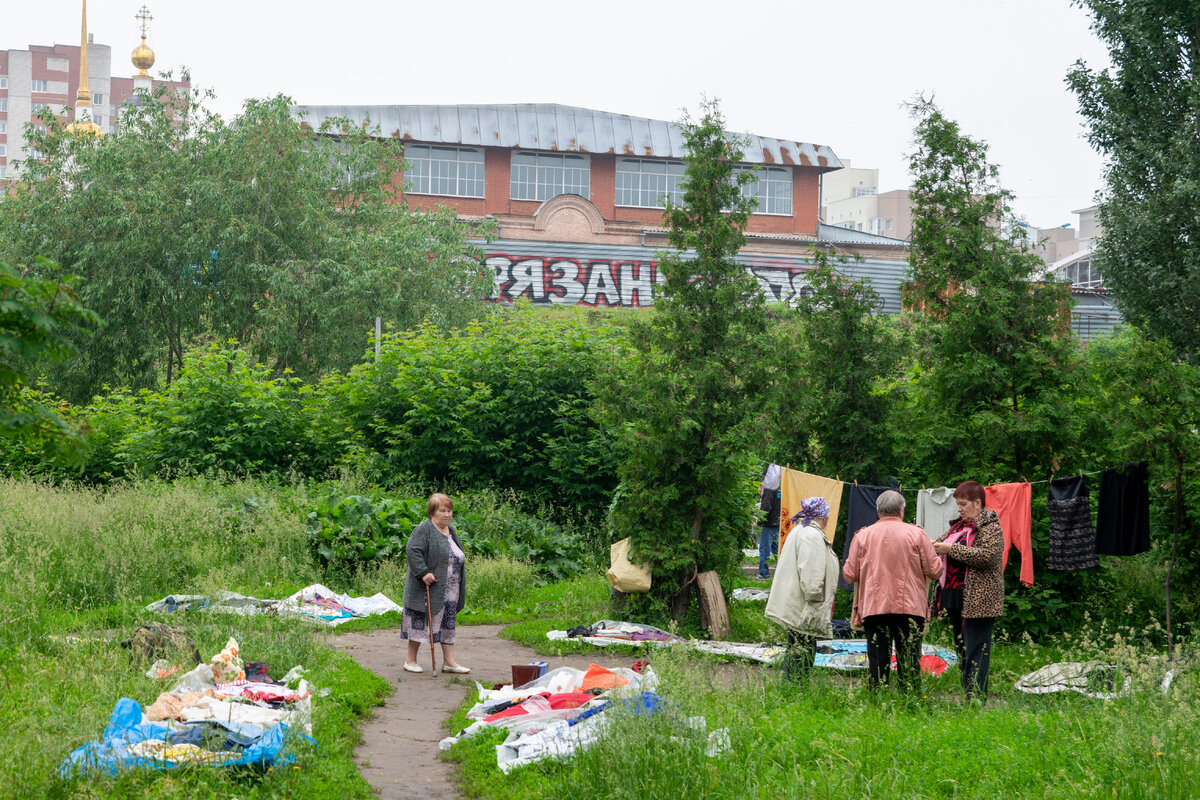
(794, 487)
(1011, 501)
(935, 509)
(1072, 536)
(771, 477)
(860, 514)
(1123, 514)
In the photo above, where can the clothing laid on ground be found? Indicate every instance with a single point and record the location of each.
(888, 563)
(794, 487)
(935, 509)
(430, 550)
(1072, 536)
(860, 514)
(1011, 502)
(1123, 513)
(902, 631)
(805, 582)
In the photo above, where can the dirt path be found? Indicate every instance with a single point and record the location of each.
(399, 753)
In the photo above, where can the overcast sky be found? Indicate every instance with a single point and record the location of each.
(836, 74)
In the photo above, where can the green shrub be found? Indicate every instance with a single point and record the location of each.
(350, 532)
(502, 403)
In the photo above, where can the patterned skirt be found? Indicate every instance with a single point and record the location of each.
(415, 625)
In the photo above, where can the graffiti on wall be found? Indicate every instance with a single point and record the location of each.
(599, 282)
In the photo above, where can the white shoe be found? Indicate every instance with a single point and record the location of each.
(458, 669)
(412, 667)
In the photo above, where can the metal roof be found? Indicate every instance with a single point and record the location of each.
(838, 235)
(549, 126)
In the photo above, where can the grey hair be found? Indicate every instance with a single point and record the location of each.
(890, 504)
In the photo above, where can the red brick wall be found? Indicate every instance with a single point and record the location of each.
(604, 184)
(497, 163)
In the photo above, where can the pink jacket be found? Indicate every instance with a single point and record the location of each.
(888, 563)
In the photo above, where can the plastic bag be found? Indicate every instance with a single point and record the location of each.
(624, 575)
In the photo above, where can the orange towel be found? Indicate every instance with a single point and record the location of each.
(597, 677)
(1011, 501)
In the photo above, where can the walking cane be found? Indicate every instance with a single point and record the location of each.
(429, 627)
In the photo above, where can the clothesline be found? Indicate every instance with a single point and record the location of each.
(900, 486)
(1122, 526)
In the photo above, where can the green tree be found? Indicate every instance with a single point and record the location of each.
(690, 400)
(842, 387)
(38, 317)
(1149, 403)
(1143, 114)
(187, 228)
(998, 353)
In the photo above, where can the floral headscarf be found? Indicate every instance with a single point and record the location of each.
(811, 508)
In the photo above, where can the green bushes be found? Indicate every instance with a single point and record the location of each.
(503, 403)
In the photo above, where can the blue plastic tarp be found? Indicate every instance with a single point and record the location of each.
(247, 744)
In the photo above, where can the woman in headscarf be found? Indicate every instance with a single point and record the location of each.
(806, 578)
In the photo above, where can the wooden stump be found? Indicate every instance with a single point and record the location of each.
(714, 616)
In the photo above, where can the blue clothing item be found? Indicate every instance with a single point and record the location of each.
(768, 545)
(252, 745)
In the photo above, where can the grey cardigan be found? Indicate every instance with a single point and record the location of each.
(428, 551)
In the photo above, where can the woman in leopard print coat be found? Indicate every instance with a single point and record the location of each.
(975, 558)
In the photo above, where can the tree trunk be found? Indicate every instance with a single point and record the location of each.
(681, 600)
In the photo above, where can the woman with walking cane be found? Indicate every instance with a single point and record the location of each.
(435, 587)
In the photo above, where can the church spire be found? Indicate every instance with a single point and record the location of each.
(84, 97)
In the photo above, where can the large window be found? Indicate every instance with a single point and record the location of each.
(540, 176)
(39, 86)
(3, 127)
(3, 104)
(771, 189)
(3, 81)
(644, 184)
(451, 171)
(1082, 275)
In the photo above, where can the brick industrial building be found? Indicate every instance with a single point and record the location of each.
(576, 195)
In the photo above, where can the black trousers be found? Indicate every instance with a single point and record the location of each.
(800, 656)
(956, 625)
(977, 662)
(904, 632)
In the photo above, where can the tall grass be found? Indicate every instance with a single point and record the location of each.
(79, 565)
(832, 737)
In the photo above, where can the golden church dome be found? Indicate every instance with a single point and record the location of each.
(143, 59)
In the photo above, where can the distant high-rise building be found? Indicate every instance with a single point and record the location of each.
(850, 198)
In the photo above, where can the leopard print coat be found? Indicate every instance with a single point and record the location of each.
(983, 595)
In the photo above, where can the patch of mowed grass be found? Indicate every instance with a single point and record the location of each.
(833, 737)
